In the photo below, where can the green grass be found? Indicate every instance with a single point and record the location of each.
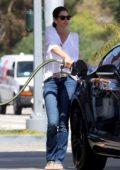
(21, 132)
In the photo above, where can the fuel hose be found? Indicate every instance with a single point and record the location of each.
(29, 79)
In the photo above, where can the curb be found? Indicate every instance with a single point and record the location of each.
(22, 138)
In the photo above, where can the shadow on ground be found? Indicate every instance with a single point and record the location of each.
(28, 160)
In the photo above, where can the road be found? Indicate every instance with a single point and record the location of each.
(28, 160)
(36, 160)
(28, 152)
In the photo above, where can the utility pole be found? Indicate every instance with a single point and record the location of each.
(37, 119)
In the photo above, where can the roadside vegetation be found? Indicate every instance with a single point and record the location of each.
(93, 20)
(20, 132)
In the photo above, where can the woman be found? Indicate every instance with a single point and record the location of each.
(59, 85)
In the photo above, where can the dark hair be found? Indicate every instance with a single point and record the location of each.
(56, 12)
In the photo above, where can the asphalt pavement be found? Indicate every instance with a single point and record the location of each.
(27, 152)
(23, 151)
(9, 121)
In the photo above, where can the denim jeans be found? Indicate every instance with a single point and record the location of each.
(57, 95)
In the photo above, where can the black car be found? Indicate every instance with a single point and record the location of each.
(95, 113)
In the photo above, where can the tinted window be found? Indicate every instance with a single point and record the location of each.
(24, 69)
(113, 57)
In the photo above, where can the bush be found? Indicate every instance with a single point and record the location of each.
(92, 35)
(25, 45)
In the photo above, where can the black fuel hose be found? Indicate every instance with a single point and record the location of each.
(29, 79)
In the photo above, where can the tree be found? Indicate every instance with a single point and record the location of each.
(71, 5)
(12, 22)
(114, 5)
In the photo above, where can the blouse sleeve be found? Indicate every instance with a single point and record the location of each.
(51, 39)
(75, 45)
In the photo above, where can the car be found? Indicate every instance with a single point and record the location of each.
(95, 113)
(15, 70)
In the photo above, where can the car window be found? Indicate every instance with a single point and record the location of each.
(24, 69)
(113, 57)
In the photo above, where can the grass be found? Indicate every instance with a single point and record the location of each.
(21, 132)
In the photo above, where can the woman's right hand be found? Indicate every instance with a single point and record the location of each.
(68, 62)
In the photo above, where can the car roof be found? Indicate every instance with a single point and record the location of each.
(19, 57)
(116, 45)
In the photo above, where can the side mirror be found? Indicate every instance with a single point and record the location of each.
(106, 70)
(80, 68)
(10, 73)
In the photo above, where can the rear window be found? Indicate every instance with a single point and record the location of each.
(24, 68)
(113, 57)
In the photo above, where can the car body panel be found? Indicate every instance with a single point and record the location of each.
(97, 98)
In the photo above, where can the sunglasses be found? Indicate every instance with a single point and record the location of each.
(62, 17)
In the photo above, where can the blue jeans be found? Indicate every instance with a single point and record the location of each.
(57, 95)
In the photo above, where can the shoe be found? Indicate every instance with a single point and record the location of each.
(49, 165)
(58, 165)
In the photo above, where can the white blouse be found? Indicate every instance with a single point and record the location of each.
(70, 46)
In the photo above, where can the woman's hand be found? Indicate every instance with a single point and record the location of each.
(68, 62)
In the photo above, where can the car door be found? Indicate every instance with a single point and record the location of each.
(107, 92)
